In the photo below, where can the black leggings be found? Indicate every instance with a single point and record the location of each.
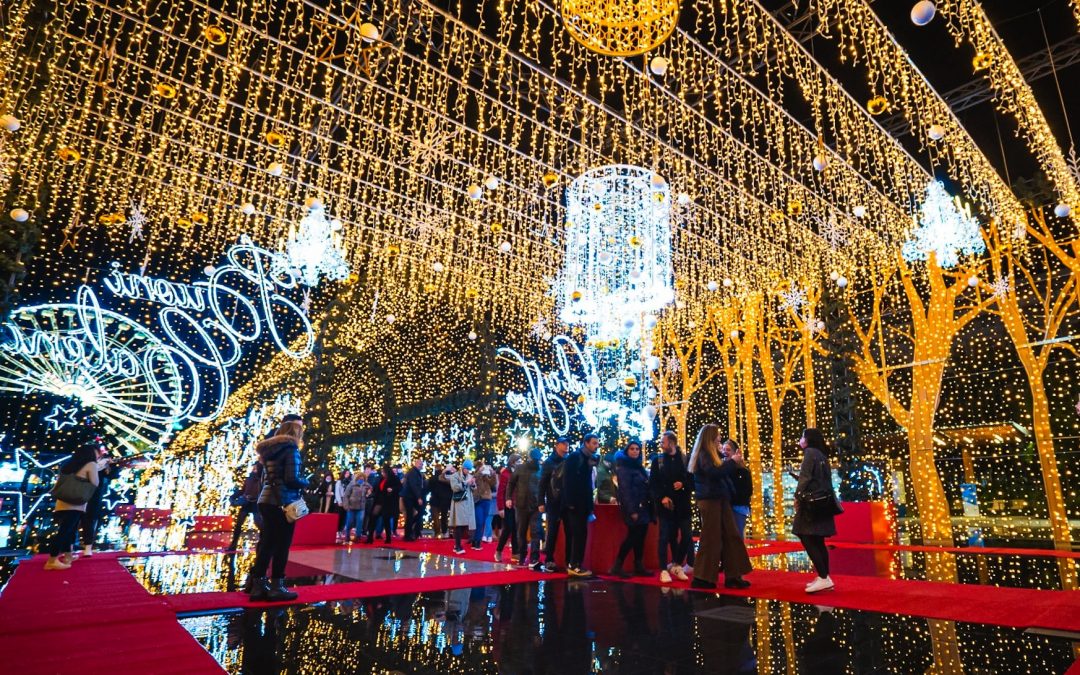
(633, 541)
(508, 533)
(275, 538)
(460, 532)
(819, 554)
(67, 526)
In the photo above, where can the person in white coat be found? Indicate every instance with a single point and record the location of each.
(462, 505)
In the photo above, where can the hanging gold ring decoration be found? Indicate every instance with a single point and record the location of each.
(620, 27)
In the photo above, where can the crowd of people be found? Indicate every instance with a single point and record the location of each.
(524, 505)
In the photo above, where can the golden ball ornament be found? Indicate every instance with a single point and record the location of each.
(369, 31)
(274, 139)
(634, 241)
(471, 293)
(877, 105)
(200, 218)
(215, 35)
(68, 154)
(794, 208)
(576, 296)
(618, 27)
(392, 250)
(165, 90)
(429, 288)
(550, 179)
(981, 61)
(496, 228)
(10, 123)
(776, 216)
(630, 382)
(183, 223)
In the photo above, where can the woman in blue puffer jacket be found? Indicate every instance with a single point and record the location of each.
(635, 502)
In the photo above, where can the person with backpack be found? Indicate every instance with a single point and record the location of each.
(671, 485)
(354, 501)
(75, 486)
(551, 500)
(577, 502)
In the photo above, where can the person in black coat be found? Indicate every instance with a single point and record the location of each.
(577, 502)
(635, 503)
(413, 494)
(387, 492)
(815, 479)
(551, 502)
(282, 484)
(742, 487)
(440, 503)
(671, 485)
(524, 492)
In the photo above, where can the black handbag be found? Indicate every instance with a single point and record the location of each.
(821, 504)
(73, 489)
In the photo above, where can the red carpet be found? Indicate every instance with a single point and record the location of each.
(203, 602)
(93, 618)
(1013, 607)
(915, 548)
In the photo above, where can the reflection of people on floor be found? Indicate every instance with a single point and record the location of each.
(675, 632)
(724, 633)
(260, 638)
(821, 653)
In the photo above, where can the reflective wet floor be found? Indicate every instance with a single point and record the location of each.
(561, 626)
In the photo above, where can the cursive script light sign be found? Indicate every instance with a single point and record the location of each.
(143, 380)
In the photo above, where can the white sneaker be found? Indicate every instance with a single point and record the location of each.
(57, 564)
(678, 573)
(665, 577)
(819, 584)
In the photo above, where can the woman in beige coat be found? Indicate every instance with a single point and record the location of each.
(66, 516)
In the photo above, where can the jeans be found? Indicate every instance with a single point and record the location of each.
(492, 508)
(817, 551)
(67, 526)
(675, 538)
(245, 509)
(354, 518)
(529, 534)
(483, 512)
(275, 538)
(509, 532)
(633, 541)
(414, 519)
(742, 514)
(577, 529)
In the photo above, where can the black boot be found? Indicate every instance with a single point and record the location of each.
(617, 570)
(260, 589)
(278, 592)
(640, 571)
(249, 584)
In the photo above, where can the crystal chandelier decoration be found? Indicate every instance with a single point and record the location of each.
(620, 27)
(617, 274)
(945, 228)
(314, 249)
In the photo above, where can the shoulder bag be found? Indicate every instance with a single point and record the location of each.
(821, 504)
(73, 489)
(296, 510)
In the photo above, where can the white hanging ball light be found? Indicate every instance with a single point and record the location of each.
(209, 270)
(712, 286)
(658, 181)
(635, 275)
(635, 367)
(650, 411)
(10, 122)
(834, 276)
(821, 162)
(390, 318)
(1062, 210)
(369, 31)
(336, 225)
(19, 215)
(629, 323)
(653, 362)
(735, 334)
(728, 283)
(820, 325)
(651, 392)
(611, 384)
(275, 168)
(859, 211)
(247, 208)
(684, 199)
(475, 192)
(604, 257)
(313, 203)
(491, 183)
(973, 281)
(659, 65)
(505, 247)
(472, 335)
(923, 12)
(650, 321)
(691, 325)
(936, 132)
(438, 267)
(841, 282)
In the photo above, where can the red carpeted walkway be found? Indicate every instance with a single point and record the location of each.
(93, 618)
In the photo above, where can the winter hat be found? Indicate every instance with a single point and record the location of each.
(467, 465)
(535, 454)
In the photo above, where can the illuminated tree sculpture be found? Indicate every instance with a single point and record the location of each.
(1033, 327)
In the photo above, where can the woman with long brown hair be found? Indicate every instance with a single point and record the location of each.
(720, 540)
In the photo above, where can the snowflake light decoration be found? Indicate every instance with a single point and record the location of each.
(793, 298)
(944, 229)
(1000, 288)
(540, 331)
(314, 249)
(832, 231)
(136, 221)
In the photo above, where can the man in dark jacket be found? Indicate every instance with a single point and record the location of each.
(551, 501)
(413, 493)
(671, 484)
(524, 490)
(577, 502)
(440, 503)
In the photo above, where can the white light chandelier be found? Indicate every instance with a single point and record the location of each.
(314, 249)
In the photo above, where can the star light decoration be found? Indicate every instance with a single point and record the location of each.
(16, 472)
(61, 417)
(315, 249)
(945, 230)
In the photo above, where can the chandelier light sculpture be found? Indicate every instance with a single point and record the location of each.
(315, 249)
(945, 228)
(617, 274)
(620, 27)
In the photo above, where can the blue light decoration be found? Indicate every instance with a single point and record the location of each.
(315, 249)
(61, 417)
(945, 228)
(142, 382)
